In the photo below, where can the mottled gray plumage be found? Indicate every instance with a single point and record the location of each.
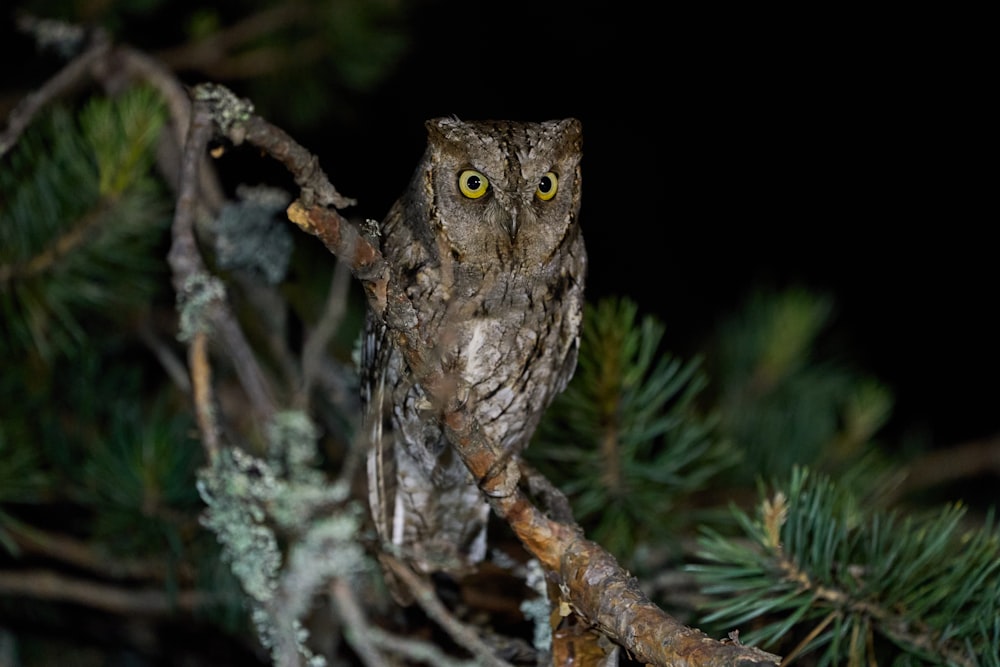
(496, 276)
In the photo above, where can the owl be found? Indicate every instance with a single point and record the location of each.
(487, 244)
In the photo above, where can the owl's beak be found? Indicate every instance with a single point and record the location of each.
(510, 223)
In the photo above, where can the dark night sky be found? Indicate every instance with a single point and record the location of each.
(725, 152)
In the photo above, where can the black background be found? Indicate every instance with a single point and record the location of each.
(726, 151)
(732, 149)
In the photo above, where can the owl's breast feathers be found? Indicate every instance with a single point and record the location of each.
(507, 334)
(507, 329)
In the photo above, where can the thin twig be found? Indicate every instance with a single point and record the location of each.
(328, 325)
(82, 555)
(948, 464)
(187, 266)
(244, 361)
(45, 585)
(265, 60)
(205, 53)
(357, 626)
(553, 500)
(170, 362)
(271, 330)
(463, 635)
(303, 165)
(794, 653)
(142, 67)
(74, 74)
(416, 651)
(372, 643)
(204, 398)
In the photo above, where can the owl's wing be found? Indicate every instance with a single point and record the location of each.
(381, 457)
(381, 460)
(572, 322)
(424, 501)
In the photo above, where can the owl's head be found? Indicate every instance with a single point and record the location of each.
(503, 189)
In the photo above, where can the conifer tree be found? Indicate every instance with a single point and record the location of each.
(171, 458)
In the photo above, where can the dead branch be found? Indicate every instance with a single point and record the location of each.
(327, 325)
(962, 461)
(81, 555)
(424, 595)
(204, 398)
(66, 80)
(595, 585)
(139, 66)
(111, 66)
(171, 363)
(45, 585)
(227, 54)
(192, 284)
(372, 643)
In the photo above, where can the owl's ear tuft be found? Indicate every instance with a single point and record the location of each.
(571, 128)
(434, 127)
(567, 133)
(442, 127)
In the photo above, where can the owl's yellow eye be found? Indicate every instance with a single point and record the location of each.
(547, 186)
(473, 184)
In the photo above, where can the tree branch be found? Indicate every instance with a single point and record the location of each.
(371, 642)
(428, 601)
(105, 63)
(83, 556)
(45, 585)
(963, 461)
(69, 77)
(195, 290)
(328, 324)
(214, 53)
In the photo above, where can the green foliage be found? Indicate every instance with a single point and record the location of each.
(121, 134)
(355, 43)
(138, 479)
(780, 401)
(20, 477)
(818, 568)
(625, 440)
(80, 432)
(367, 40)
(79, 206)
